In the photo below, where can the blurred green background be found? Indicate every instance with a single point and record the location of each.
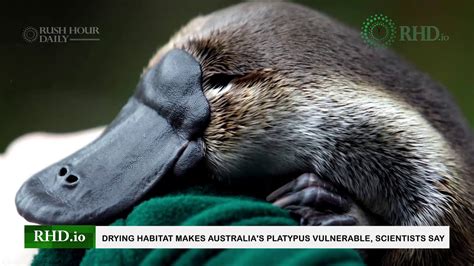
(72, 86)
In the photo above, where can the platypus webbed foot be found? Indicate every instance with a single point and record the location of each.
(317, 202)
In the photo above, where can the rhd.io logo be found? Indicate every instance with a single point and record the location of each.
(380, 30)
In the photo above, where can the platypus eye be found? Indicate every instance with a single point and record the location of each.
(218, 81)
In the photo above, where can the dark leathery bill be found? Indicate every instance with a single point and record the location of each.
(157, 132)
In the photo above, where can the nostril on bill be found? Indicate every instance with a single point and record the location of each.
(71, 179)
(63, 171)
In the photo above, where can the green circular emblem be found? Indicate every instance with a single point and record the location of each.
(378, 30)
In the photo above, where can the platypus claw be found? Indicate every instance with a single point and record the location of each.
(314, 202)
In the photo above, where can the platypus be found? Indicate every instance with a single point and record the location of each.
(260, 92)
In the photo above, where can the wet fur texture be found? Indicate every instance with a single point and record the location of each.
(292, 90)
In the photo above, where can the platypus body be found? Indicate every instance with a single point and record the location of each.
(264, 90)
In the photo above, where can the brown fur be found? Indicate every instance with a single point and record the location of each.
(282, 59)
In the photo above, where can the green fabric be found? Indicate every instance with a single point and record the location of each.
(200, 207)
